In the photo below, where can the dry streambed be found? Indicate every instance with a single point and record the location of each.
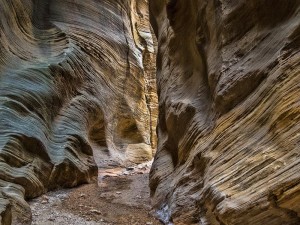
(120, 197)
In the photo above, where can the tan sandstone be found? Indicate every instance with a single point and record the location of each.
(228, 133)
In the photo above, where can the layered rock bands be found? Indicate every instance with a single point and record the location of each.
(76, 77)
(228, 133)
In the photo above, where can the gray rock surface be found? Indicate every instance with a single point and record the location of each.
(72, 82)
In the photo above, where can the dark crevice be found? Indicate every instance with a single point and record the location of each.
(289, 214)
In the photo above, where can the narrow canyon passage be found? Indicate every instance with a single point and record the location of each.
(110, 109)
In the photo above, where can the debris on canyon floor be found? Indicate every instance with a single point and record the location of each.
(121, 197)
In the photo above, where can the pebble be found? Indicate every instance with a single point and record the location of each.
(82, 195)
(51, 219)
(45, 197)
(130, 168)
(95, 211)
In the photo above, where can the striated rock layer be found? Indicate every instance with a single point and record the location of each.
(76, 77)
(228, 85)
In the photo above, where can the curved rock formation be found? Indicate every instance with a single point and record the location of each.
(72, 81)
(228, 133)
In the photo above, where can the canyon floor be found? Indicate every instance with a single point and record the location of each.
(120, 197)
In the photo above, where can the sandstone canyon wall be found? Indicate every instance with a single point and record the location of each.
(228, 75)
(76, 77)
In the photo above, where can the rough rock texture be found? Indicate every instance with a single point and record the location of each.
(228, 85)
(146, 42)
(72, 81)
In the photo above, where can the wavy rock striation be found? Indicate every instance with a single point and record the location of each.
(73, 81)
(228, 85)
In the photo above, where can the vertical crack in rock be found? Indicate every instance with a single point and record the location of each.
(145, 41)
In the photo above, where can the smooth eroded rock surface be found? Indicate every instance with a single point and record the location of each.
(228, 85)
(73, 81)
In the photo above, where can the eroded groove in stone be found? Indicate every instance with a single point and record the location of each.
(228, 75)
(72, 81)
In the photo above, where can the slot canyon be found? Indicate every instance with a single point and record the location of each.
(148, 112)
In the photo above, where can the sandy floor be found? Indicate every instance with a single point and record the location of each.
(121, 197)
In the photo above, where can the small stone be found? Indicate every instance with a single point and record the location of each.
(149, 223)
(130, 168)
(51, 219)
(118, 192)
(95, 211)
(140, 166)
(45, 197)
